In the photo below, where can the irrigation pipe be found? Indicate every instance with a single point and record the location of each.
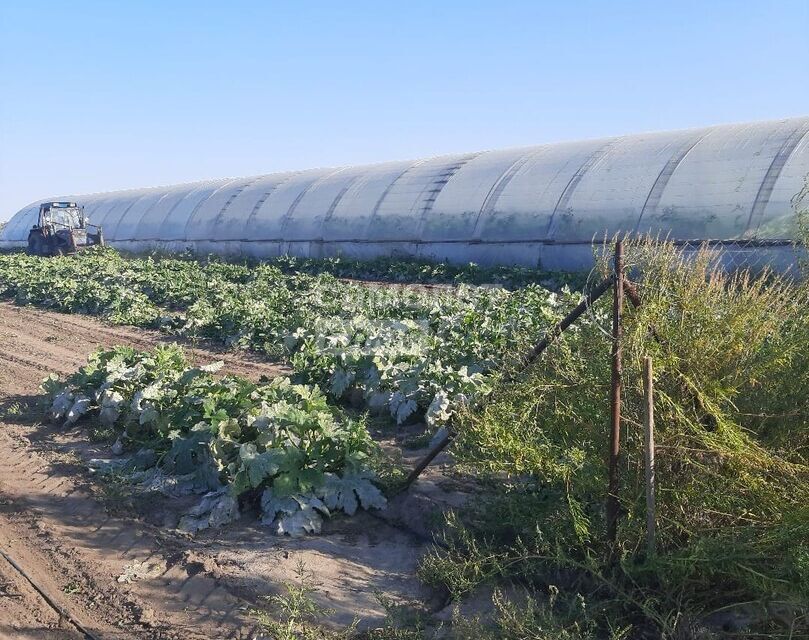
(53, 604)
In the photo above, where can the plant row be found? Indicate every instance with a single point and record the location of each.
(411, 271)
(409, 352)
(224, 437)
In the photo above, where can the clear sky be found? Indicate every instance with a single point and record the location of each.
(103, 95)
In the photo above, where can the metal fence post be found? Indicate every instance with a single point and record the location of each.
(612, 505)
(649, 452)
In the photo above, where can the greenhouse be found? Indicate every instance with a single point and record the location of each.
(541, 206)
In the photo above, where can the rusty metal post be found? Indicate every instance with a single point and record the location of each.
(422, 464)
(632, 293)
(599, 290)
(612, 505)
(649, 452)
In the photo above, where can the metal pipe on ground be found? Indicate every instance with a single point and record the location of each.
(63, 613)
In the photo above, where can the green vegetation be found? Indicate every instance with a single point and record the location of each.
(800, 203)
(411, 353)
(408, 271)
(731, 354)
(732, 369)
(227, 438)
(295, 615)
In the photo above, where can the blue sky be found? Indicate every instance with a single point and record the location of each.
(98, 96)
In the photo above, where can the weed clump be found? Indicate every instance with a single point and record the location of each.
(731, 355)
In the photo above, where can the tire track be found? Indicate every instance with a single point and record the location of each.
(76, 546)
(60, 540)
(56, 538)
(49, 341)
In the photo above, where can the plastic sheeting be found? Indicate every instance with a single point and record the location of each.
(536, 206)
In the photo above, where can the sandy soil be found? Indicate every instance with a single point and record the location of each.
(48, 342)
(75, 537)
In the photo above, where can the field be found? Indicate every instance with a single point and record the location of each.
(203, 447)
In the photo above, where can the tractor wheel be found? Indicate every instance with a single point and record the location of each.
(37, 246)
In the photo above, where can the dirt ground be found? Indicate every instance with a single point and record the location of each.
(74, 536)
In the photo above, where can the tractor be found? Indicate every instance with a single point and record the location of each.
(62, 228)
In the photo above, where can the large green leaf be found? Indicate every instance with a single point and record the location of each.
(346, 493)
(293, 515)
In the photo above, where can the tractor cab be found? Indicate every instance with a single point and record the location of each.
(62, 228)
